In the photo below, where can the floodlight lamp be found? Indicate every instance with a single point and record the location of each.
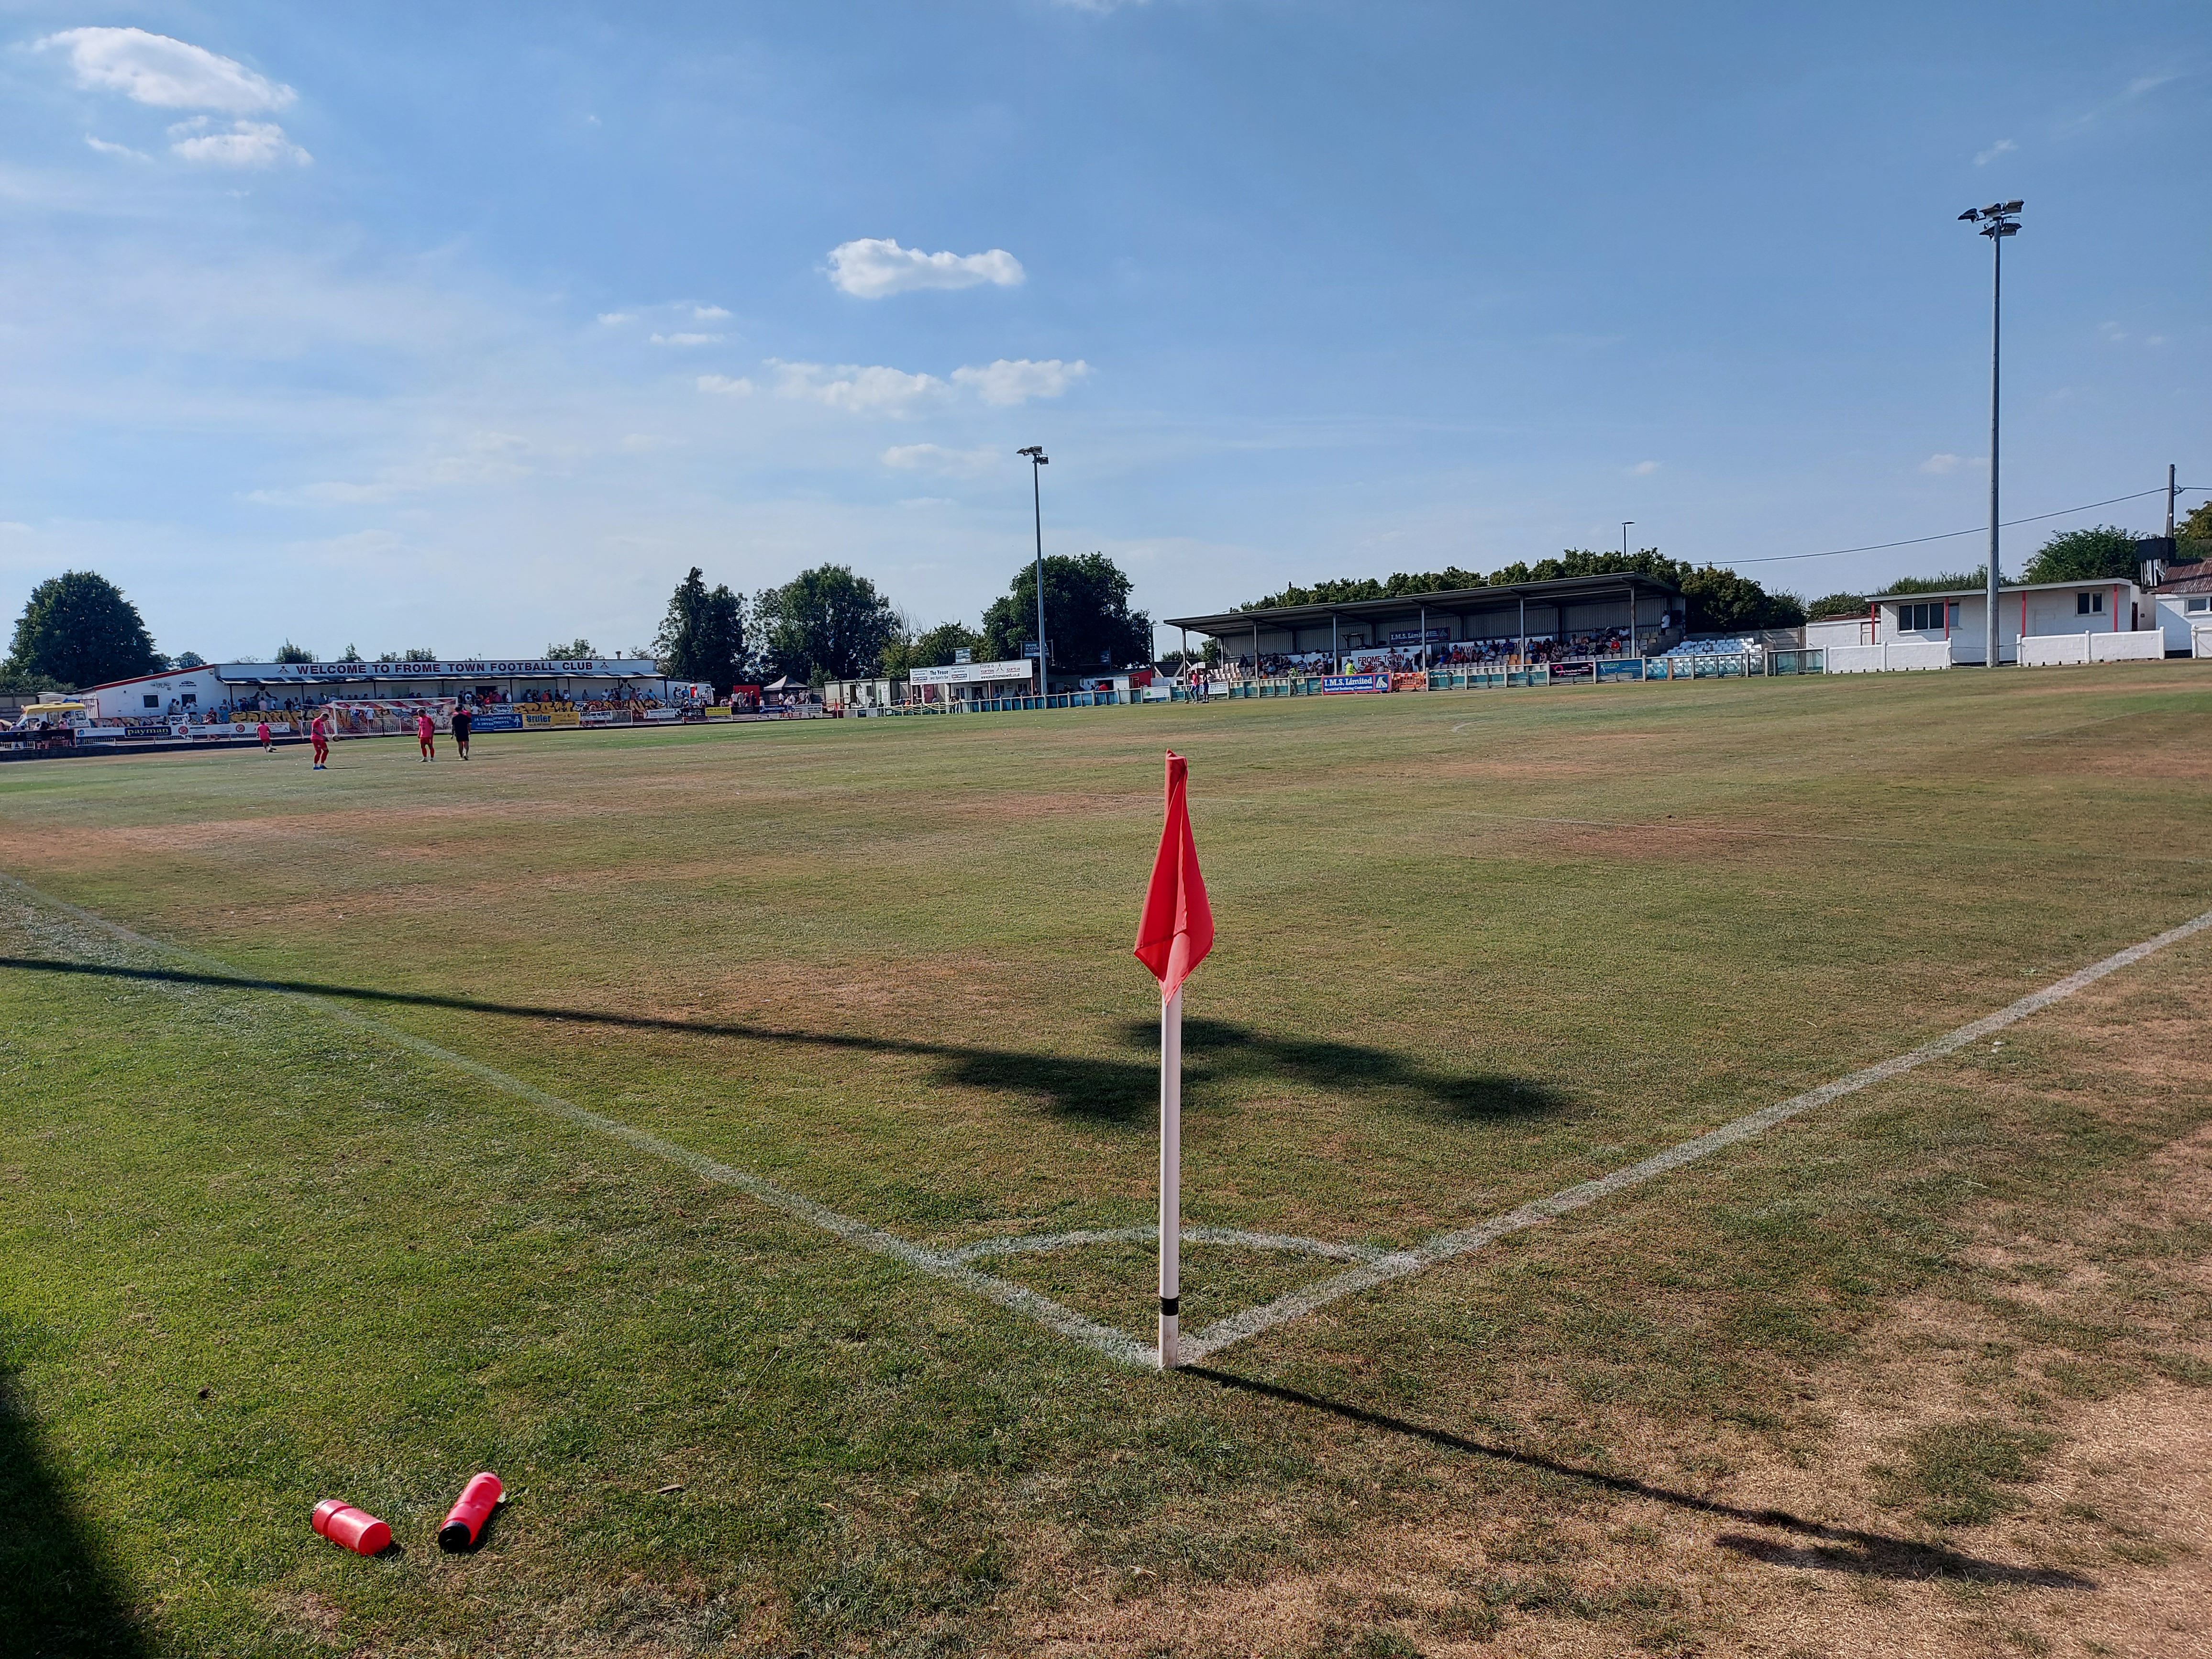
(1993, 209)
(2012, 207)
(1971, 213)
(2007, 230)
(1032, 452)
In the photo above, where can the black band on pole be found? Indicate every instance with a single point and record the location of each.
(1171, 1306)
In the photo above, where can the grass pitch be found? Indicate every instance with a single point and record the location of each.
(1473, 949)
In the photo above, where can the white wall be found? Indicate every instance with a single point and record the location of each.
(2141, 645)
(1837, 630)
(1891, 657)
(2178, 623)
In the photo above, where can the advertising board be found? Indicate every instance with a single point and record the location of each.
(1332, 684)
(972, 673)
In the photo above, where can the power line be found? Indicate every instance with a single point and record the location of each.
(1951, 535)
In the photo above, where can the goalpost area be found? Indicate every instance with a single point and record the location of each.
(742, 1139)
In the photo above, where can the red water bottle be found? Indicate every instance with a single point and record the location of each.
(351, 1528)
(464, 1522)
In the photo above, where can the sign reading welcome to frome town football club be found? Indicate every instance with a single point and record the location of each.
(308, 672)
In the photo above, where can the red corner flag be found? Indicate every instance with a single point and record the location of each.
(1177, 928)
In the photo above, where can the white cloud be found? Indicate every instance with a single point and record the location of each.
(1005, 383)
(1642, 469)
(153, 69)
(935, 458)
(611, 318)
(708, 314)
(722, 383)
(484, 458)
(686, 339)
(872, 391)
(2143, 83)
(248, 144)
(14, 527)
(1941, 464)
(874, 267)
(105, 149)
(2003, 147)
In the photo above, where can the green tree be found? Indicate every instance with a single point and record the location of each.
(1343, 590)
(188, 660)
(825, 623)
(1950, 581)
(1717, 601)
(352, 655)
(2081, 555)
(703, 637)
(78, 630)
(575, 650)
(2197, 527)
(1721, 602)
(289, 651)
(1087, 619)
(934, 649)
(1836, 604)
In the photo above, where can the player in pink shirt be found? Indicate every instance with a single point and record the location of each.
(426, 730)
(262, 731)
(318, 730)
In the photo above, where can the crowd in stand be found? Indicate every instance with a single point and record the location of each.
(1507, 651)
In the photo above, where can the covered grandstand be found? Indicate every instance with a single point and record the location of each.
(1628, 615)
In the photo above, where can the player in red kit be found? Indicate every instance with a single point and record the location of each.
(318, 730)
(426, 730)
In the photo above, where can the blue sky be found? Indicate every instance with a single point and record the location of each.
(475, 326)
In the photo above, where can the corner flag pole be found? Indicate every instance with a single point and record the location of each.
(1170, 1179)
(1173, 937)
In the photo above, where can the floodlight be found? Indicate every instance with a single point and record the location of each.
(2012, 207)
(1993, 209)
(1971, 213)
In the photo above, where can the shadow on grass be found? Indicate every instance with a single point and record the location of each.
(1113, 1090)
(1836, 1549)
(56, 1594)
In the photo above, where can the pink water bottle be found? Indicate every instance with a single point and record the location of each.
(351, 1528)
(464, 1522)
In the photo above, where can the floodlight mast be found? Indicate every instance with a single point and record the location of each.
(1997, 223)
(1038, 459)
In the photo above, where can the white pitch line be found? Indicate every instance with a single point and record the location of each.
(1029, 1243)
(1114, 1345)
(1447, 1247)
(1377, 1267)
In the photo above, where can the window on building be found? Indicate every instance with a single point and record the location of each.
(2201, 602)
(2088, 604)
(191, 699)
(1913, 618)
(152, 701)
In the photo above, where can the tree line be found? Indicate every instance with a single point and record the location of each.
(1718, 601)
(829, 624)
